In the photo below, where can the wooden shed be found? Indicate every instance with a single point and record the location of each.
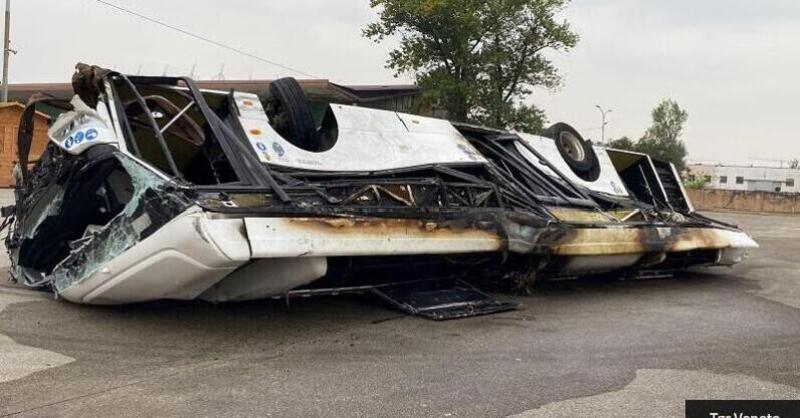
(9, 124)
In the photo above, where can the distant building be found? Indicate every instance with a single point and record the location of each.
(752, 178)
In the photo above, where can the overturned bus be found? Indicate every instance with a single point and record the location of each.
(151, 188)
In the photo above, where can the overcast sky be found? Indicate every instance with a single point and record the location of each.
(732, 64)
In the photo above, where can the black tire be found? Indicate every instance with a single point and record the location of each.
(577, 152)
(290, 114)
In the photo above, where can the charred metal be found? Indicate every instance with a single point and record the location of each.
(229, 198)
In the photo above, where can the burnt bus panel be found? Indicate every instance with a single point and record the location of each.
(673, 187)
(640, 177)
(187, 195)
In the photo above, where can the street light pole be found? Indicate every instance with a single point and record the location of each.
(603, 127)
(6, 50)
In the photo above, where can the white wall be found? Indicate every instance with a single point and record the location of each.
(756, 175)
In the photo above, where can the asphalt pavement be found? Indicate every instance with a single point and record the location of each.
(576, 348)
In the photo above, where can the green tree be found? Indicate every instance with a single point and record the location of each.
(662, 139)
(623, 143)
(696, 183)
(476, 59)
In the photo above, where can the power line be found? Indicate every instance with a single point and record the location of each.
(204, 39)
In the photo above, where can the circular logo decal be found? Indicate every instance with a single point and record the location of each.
(91, 134)
(278, 149)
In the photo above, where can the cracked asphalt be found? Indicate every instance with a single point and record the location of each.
(575, 349)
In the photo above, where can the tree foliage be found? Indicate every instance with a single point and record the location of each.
(476, 59)
(662, 139)
(624, 143)
(697, 183)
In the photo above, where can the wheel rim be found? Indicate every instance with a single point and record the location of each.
(572, 146)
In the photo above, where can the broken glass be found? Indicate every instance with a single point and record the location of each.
(154, 202)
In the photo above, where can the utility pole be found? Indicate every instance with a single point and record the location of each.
(603, 127)
(221, 75)
(6, 50)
